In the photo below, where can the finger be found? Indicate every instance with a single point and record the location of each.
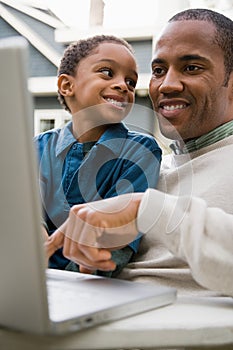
(102, 265)
(54, 242)
(73, 226)
(82, 231)
(57, 239)
(98, 260)
(83, 269)
(95, 254)
(44, 233)
(90, 258)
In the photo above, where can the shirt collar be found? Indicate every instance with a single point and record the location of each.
(108, 139)
(65, 138)
(111, 137)
(218, 134)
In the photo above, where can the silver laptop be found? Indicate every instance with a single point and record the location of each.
(33, 298)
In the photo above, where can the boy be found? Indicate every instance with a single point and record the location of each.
(95, 156)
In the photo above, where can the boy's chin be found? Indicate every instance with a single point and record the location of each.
(101, 115)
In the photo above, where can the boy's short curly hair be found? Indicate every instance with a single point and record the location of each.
(78, 50)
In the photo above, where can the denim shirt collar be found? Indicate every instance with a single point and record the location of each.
(65, 139)
(108, 139)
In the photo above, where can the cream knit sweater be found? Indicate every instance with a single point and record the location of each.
(188, 232)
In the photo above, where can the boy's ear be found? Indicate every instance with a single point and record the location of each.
(65, 85)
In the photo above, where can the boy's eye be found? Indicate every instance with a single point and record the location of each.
(131, 82)
(107, 71)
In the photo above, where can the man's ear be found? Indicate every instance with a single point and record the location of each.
(65, 85)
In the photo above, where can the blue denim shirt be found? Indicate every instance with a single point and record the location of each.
(121, 161)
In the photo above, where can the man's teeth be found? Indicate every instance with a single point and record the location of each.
(172, 108)
(116, 103)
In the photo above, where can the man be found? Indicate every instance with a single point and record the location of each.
(187, 225)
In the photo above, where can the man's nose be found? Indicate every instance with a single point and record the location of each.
(171, 82)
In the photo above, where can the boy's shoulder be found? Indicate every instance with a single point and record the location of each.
(44, 136)
(47, 139)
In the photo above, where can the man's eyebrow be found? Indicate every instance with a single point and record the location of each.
(157, 60)
(193, 57)
(182, 58)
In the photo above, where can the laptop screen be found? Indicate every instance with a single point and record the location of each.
(22, 263)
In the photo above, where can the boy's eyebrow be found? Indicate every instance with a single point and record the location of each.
(112, 61)
(182, 58)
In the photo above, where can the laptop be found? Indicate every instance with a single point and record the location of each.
(33, 298)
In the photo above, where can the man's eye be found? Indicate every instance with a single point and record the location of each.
(107, 71)
(158, 71)
(131, 82)
(192, 68)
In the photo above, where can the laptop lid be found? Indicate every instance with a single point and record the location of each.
(23, 289)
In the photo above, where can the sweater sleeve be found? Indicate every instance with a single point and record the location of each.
(200, 235)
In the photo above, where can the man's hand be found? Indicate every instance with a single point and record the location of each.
(92, 230)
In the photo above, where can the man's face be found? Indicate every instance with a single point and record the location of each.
(187, 84)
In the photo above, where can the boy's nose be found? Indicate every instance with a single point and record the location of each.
(120, 84)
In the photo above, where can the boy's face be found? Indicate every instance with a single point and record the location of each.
(105, 81)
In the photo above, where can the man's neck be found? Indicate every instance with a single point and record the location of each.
(213, 136)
